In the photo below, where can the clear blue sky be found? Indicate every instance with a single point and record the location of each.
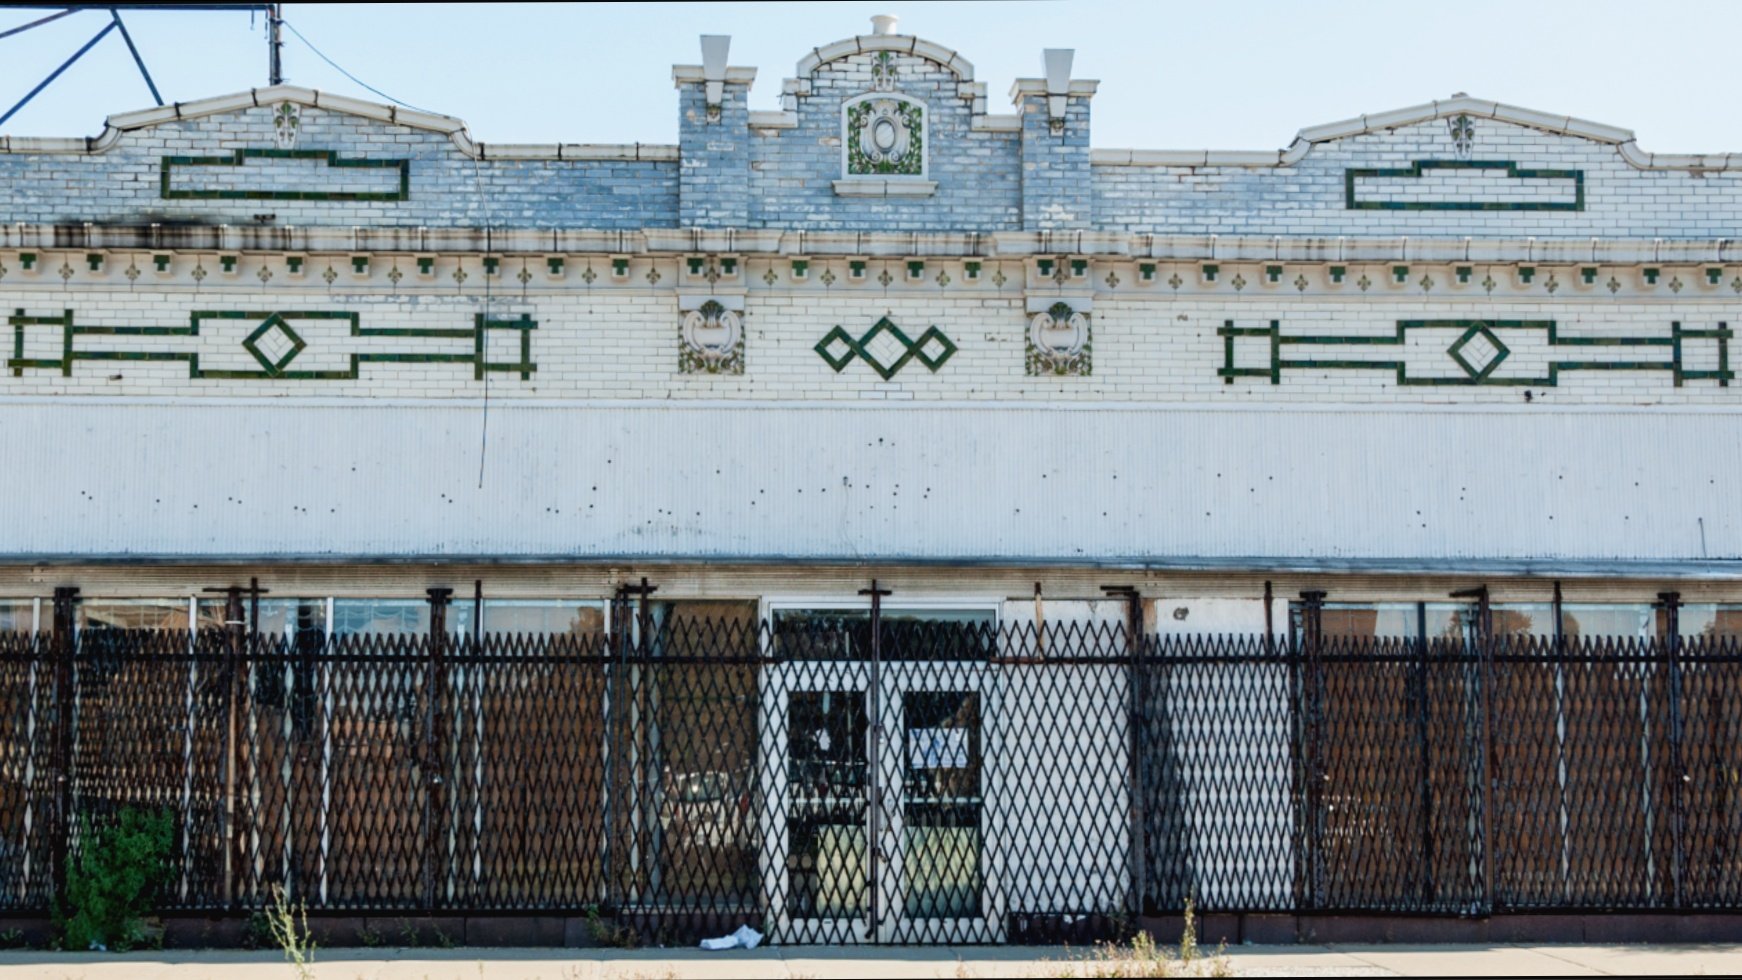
(1174, 75)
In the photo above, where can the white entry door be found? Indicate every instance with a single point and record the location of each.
(875, 786)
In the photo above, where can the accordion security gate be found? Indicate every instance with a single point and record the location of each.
(904, 783)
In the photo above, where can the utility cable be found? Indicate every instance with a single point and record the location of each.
(489, 233)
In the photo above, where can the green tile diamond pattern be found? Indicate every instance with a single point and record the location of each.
(885, 348)
(274, 344)
(1478, 351)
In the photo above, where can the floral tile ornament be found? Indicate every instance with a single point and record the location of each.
(711, 341)
(1059, 343)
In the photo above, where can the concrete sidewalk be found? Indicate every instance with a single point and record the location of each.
(837, 963)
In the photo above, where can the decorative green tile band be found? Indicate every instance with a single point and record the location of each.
(236, 159)
(932, 349)
(1475, 352)
(1418, 169)
(274, 343)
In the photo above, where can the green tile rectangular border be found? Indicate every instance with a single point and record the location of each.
(236, 159)
(1513, 171)
(1229, 371)
(477, 334)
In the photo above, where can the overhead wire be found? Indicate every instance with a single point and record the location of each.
(489, 234)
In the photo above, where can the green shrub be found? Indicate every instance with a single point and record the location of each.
(114, 879)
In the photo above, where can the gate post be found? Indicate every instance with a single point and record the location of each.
(435, 743)
(1670, 604)
(642, 810)
(1485, 657)
(64, 641)
(233, 635)
(874, 747)
(1137, 771)
(1312, 625)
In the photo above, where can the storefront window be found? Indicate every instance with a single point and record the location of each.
(1617, 620)
(17, 615)
(296, 620)
(1711, 621)
(137, 614)
(395, 617)
(1391, 620)
(536, 617)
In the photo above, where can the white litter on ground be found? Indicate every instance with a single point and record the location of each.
(744, 937)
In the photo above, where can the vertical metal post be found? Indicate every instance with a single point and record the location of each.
(621, 638)
(1137, 768)
(1313, 776)
(874, 771)
(234, 625)
(1671, 603)
(64, 640)
(642, 768)
(1489, 791)
(275, 44)
(435, 742)
(1423, 732)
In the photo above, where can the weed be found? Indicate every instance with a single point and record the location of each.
(113, 879)
(1142, 959)
(289, 924)
(610, 933)
(369, 936)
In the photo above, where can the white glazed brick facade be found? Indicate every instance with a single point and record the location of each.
(1464, 259)
(612, 342)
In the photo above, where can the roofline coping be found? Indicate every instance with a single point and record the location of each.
(454, 129)
(899, 43)
(1623, 140)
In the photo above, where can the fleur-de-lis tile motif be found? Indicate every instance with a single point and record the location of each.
(999, 278)
(1364, 282)
(1175, 281)
(1551, 284)
(328, 275)
(1488, 283)
(828, 277)
(460, 276)
(1238, 282)
(1427, 283)
(1614, 285)
(394, 275)
(131, 272)
(588, 275)
(885, 278)
(264, 275)
(769, 277)
(199, 273)
(66, 271)
(1675, 284)
(1112, 280)
(1300, 282)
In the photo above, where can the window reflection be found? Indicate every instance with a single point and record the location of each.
(17, 615)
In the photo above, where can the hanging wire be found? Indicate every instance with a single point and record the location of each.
(340, 69)
(489, 235)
